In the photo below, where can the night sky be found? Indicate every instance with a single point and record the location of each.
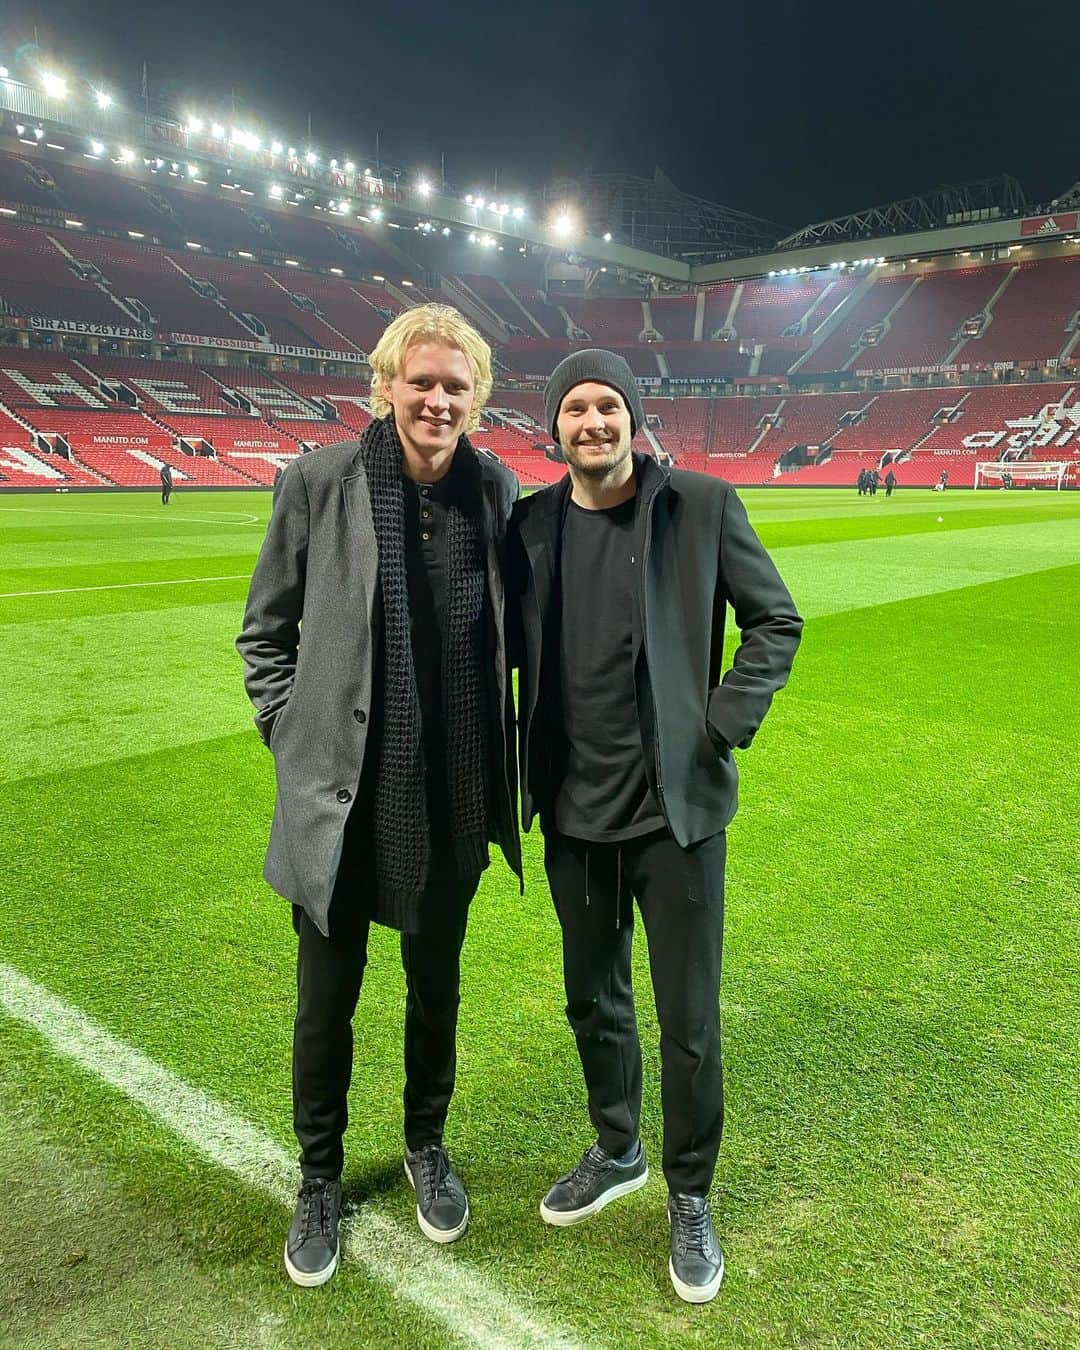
(792, 111)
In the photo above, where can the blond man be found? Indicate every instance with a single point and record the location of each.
(391, 725)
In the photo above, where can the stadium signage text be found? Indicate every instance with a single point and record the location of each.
(95, 329)
(274, 348)
(1052, 425)
(1062, 223)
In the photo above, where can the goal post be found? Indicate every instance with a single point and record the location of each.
(1030, 473)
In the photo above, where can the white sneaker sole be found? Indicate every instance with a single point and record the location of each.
(566, 1218)
(429, 1230)
(696, 1293)
(305, 1279)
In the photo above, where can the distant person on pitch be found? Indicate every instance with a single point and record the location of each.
(391, 727)
(890, 483)
(166, 484)
(621, 575)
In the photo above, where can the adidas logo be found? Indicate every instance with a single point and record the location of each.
(1049, 226)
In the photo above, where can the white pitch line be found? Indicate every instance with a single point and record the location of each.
(123, 586)
(442, 1286)
(246, 518)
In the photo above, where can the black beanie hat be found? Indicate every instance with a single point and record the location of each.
(592, 364)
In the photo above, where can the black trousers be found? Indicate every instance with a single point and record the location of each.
(329, 974)
(680, 893)
(165, 492)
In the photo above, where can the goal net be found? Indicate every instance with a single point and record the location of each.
(1023, 473)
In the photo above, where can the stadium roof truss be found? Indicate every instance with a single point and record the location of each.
(960, 204)
(653, 215)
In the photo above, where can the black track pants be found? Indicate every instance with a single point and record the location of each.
(680, 893)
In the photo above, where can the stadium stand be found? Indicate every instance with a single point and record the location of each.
(1029, 318)
(36, 278)
(141, 288)
(927, 326)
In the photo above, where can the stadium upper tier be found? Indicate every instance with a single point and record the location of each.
(167, 262)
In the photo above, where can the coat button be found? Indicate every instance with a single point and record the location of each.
(360, 715)
(344, 795)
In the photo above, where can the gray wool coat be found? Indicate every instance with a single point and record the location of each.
(307, 644)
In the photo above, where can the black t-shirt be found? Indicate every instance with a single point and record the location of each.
(604, 796)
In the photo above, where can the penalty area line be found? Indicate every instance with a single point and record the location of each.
(440, 1285)
(123, 586)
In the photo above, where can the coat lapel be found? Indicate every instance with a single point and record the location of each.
(361, 551)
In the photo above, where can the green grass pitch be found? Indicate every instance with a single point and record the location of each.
(901, 1164)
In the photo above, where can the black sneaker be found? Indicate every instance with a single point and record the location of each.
(311, 1249)
(595, 1182)
(697, 1263)
(442, 1207)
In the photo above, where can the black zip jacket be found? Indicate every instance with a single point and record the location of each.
(697, 555)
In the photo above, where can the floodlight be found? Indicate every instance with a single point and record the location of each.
(607, 236)
(97, 147)
(102, 99)
(337, 271)
(126, 155)
(423, 187)
(564, 226)
(350, 167)
(472, 237)
(39, 132)
(311, 157)
(468, 199)
(276, 147)
(375, 277)
(376, 213)
(193, 171)
(195, 126)
(343, 208)
(333, 163)
(217, 131)
(275, 189)
(54, 85)
(772, 274)
(292, 152)
(480, 202)
(3, 72)
(519, 213)
(446, 231)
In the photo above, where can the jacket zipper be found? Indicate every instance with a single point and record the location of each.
(645, 641)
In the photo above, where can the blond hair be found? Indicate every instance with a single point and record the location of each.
(430, 323)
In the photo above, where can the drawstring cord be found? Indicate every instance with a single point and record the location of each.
(618, 885)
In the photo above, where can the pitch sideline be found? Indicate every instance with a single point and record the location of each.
(122, 586)
(445, 1290)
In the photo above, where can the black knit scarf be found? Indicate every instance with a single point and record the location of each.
(401, 828)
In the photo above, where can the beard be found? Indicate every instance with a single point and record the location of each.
(594, 465)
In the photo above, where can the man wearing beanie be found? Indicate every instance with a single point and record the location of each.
(623, 573)
(374, 653)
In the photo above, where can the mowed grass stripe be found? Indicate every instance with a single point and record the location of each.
(446, 1290)
(882, 518)
(857, 574)
(114, 684)
(120, 569)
